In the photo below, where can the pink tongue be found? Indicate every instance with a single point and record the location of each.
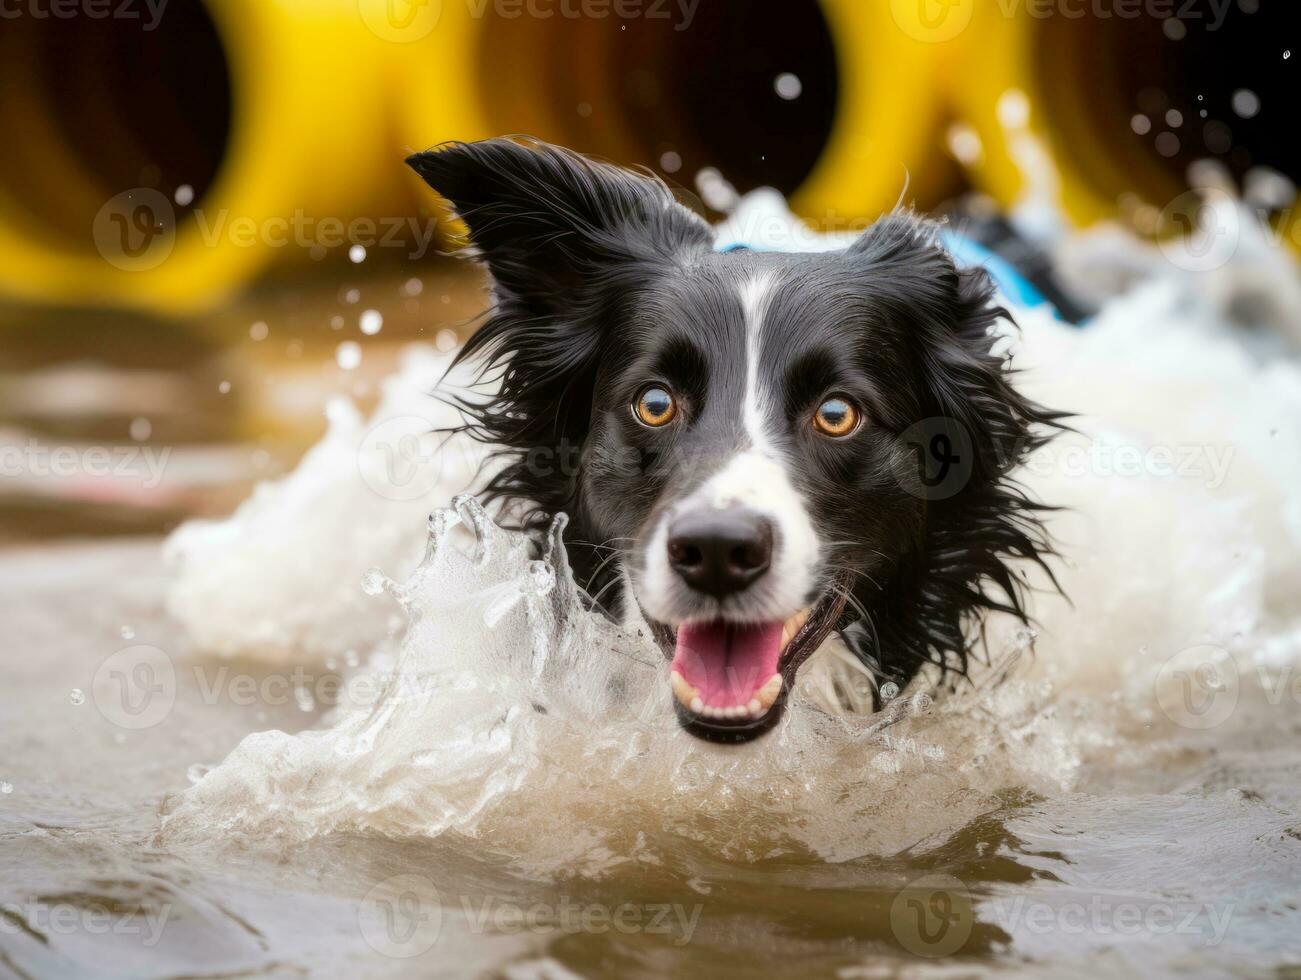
(727, 663)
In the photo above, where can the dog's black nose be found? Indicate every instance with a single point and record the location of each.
(720, 552)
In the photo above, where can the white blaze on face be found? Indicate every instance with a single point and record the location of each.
(757, 477)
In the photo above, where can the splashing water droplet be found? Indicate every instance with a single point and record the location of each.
(197, 772)
(1246, 103)
(77, 696)
(348, 355)
(128, 633)
(373, 583)
(788, 86)
(889, 691)
(6, 787)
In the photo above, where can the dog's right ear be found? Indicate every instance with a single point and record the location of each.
(546, 220)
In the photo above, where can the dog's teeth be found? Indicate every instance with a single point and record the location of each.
(683, 691)
(767, 694)
(697, 705)
(755, 708)
(792, 626)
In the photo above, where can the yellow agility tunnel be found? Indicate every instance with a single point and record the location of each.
(243, 131)
(166, 165)
(1106, 106)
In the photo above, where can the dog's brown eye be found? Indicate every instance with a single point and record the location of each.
(655, 407)
(836, 417)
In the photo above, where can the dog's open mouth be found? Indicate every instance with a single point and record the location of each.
(730, 681)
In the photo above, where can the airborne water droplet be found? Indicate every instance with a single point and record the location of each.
(348, 355)
(889, 691)
(374, 581)
(197, 772)
(77, 696)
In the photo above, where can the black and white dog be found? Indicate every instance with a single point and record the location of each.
(743, 427)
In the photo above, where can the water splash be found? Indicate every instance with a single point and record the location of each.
(513, 713)
(509, 713)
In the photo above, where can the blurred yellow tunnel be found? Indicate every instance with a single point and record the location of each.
(165, 165)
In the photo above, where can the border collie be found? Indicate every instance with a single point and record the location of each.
(756, 449)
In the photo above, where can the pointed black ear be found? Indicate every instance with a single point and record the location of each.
(905, 251)
(948, 313)
(545, 219)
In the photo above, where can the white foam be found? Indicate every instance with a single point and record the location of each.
(279, 579)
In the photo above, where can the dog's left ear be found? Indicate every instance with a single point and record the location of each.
(546, 220)
(948, 313)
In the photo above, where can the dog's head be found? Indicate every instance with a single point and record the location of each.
(749, 446)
